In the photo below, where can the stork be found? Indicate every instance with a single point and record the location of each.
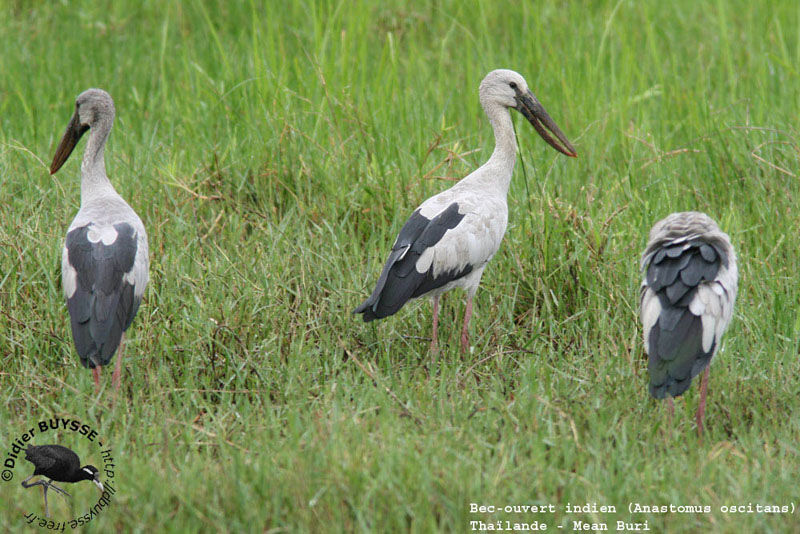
(449, 239)
(686, 302)
(104, 263)
(56, 462)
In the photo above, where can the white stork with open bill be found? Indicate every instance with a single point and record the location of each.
(686, 302)
(104, 266)
(451, 237)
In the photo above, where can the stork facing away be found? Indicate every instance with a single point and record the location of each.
(104, 264)
(686, 302)
(449, 239)
(56, 462)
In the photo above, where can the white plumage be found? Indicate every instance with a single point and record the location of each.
(451, 237)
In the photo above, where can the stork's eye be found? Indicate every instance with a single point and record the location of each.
(513, 85)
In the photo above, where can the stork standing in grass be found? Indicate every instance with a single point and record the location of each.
(451, 237)
(104, 266)
(687, 298)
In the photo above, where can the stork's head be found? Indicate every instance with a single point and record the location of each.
(681, 224)
(90, 472)
(509, 89)
(92, 107)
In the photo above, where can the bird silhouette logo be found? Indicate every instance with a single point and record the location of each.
(56, 463)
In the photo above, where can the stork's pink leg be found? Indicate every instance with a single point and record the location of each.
(465, 330)
(670, 410)
(118, 366)
(435, 337)
(96, 376)
(701, 407)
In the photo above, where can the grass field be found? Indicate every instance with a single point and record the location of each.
(273, 152)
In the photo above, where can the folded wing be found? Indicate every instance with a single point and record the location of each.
(686, 303)
(102, 275)
(419, 263)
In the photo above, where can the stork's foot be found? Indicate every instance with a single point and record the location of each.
(698, 417)
(465, 329)
(434, 348)
(670, 415)
(701, 406)
(96, 377)
(115, 376)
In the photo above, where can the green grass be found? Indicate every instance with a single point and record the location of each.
(274, 152)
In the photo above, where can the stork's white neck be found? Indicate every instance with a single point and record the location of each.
(94, 181)
(500, 166)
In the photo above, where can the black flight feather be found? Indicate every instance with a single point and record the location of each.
(675, 344)
(103, 305)
(399, 280)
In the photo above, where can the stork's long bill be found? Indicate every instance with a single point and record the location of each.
(75, 131)
(532, 109)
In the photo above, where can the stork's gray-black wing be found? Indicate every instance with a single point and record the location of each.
(681, 339)
(400, 280)
(103, 304)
